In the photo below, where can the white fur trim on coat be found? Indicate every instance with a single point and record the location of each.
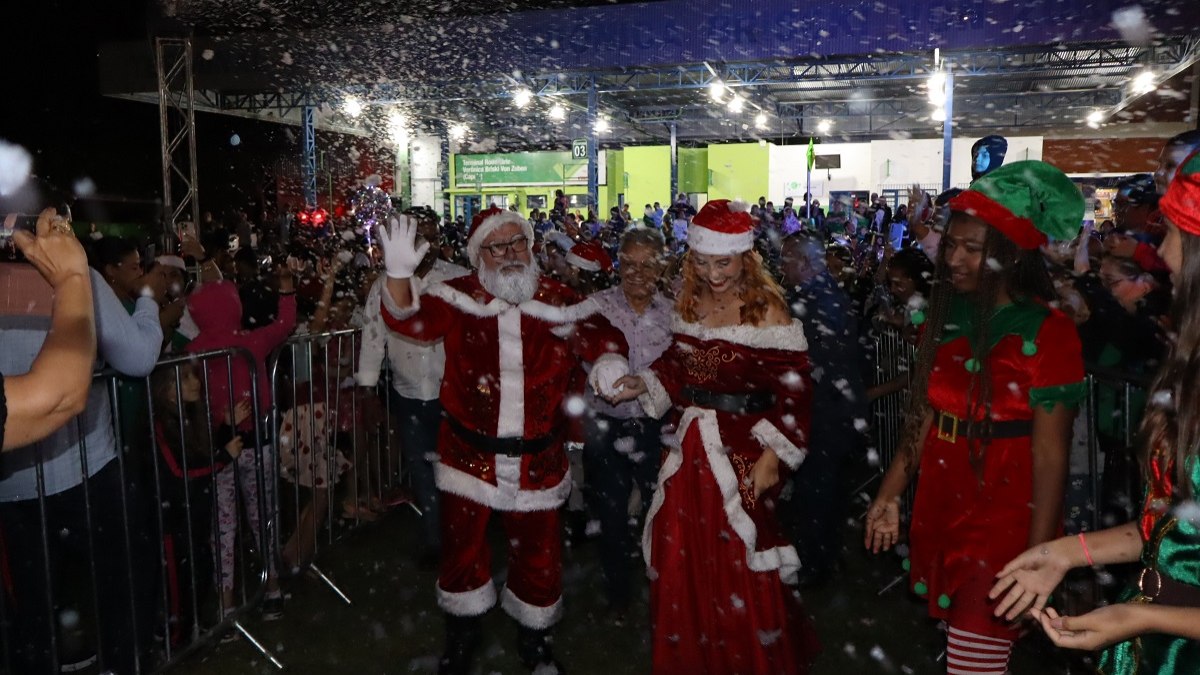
(782, 558)
(468, 603)
(710, 242)
(790, 337)
(531, 616)
(511, 498)
(533, 308)
(769, 436)
(656, 402)
(510, 422)
(408, 312)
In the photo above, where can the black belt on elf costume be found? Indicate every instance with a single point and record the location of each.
(949, 428)
(739, 404)
(510, 447)
(1156, 587)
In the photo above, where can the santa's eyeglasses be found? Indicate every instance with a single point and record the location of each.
(518, 244)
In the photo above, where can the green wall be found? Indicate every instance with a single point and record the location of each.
(643, 174)
(738, 170)
(693, 170)
(649, 170)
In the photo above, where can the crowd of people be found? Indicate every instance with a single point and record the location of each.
(694, 384)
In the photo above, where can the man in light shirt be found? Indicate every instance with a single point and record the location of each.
(416, 383)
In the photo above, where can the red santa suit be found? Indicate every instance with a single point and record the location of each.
(508, 370)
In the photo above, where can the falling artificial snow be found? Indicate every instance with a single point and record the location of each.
(15, 165)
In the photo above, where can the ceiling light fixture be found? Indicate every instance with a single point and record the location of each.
(557, 112)
(824, 126)
(522, 97)
(352, 106)
(736, 104)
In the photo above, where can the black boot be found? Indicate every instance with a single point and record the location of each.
(533, 646)
(463, 635)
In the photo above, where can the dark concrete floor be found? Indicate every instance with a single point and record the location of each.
(393, 625)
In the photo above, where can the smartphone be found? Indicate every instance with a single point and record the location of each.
(14, 222)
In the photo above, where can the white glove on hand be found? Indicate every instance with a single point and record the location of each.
(604, 373)
(398, 241)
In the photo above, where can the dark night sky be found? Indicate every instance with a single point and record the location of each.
(55, 111)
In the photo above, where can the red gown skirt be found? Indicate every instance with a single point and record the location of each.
(711, 613)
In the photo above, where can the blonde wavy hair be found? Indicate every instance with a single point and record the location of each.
(759, 291)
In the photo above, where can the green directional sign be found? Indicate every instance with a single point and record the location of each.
(521, 168)
(579, 148)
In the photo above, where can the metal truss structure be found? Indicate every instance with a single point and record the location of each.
(867, 96)
(177, 133)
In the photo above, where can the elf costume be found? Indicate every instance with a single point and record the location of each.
(972, 510)
(1170, 534)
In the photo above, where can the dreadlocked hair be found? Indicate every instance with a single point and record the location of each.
(758, 293)
(1171, 425)
(1006, 267)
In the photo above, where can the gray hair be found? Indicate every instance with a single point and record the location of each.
(643, 236)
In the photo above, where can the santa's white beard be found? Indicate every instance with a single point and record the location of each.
(513, 286)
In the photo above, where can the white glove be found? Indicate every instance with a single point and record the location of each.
(604, 373)
(398, 241)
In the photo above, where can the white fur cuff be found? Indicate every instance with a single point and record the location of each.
(468, 603)
(531, 616)
(656, 402)
(769, 436)
(389, 305)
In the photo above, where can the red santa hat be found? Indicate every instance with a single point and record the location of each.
(722, 228)
(589, 256)
(487, 221)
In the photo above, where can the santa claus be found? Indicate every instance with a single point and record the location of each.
(513, 341)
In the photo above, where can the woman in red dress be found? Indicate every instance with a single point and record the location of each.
(722, 574)
(999, 375)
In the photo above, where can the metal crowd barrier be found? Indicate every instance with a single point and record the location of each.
(154, 611)
(895, 358)
(339, 459)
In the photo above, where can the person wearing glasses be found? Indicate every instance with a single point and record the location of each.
(514, 341)
(621, 446)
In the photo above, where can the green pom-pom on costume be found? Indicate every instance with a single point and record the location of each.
(972, 365)
(917, 317)
(920, 588)
(1029, 348)
(906, 564)
(944, 601)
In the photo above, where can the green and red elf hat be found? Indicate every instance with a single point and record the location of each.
(1181, 204)
(1030, 202)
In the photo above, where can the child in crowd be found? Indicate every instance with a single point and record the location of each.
(189, 457)
(217, 311)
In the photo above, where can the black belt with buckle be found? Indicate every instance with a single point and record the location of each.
(510, 447)
(1156, 587)
(950, 427)
(739, 404)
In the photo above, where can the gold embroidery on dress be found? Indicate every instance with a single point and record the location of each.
(741, 469)
(702, 364)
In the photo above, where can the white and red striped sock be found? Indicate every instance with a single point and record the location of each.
(974, 654)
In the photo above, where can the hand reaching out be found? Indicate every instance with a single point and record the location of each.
(628, 388)
(1027, 581)
(883, 525)
(1096, 629)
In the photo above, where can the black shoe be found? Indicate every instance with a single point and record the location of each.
(533, 646)
(463, 635)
